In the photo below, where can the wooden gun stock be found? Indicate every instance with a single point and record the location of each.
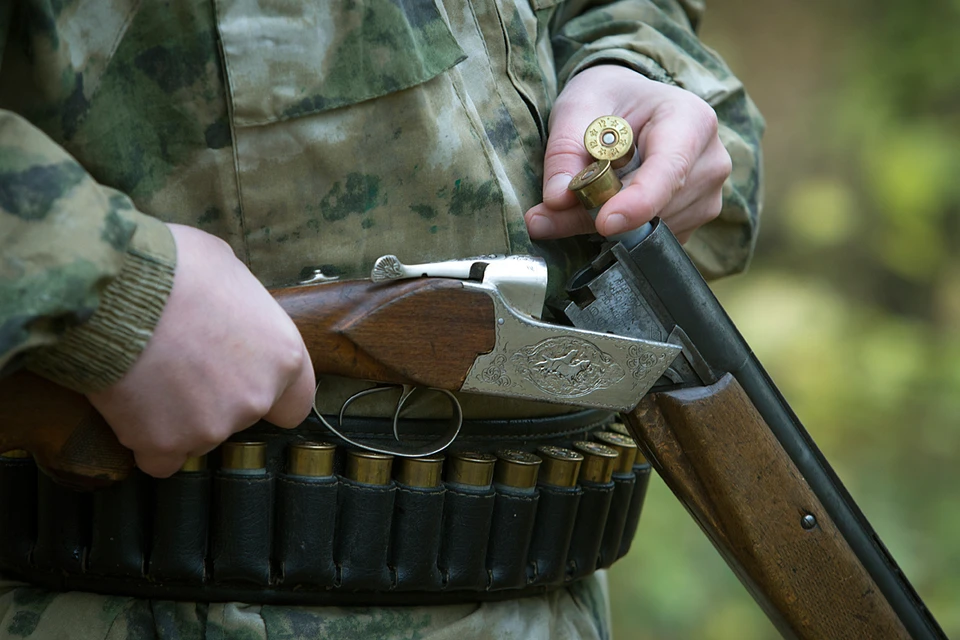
(716, 453)
(369, 331)
(65, 434)
(355, 328)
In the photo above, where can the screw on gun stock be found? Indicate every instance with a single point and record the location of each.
(808, 522)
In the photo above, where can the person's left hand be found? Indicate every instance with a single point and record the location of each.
(684, 162)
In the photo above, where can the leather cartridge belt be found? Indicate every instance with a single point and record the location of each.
(275, 520)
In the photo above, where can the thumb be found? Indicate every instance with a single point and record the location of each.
(565, 156)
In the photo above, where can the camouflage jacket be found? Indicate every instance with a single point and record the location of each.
(307, 135)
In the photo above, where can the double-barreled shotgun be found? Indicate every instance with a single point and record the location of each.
(642, 334)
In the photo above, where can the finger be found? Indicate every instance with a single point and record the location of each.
(295, 403)
(705, 180)
(683, 198)
(159, 465)
(671, 149)
(699, 213)
(706, 177)
(544, 223)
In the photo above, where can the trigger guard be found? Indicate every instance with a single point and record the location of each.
(428, 449)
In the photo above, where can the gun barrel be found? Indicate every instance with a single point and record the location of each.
(671, 297)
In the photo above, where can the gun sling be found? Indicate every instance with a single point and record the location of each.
(265, 536)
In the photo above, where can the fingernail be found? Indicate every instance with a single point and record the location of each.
(539, 226)
(556, 186)
(615, 223)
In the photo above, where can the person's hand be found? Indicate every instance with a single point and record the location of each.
(684, 163)
(223, 355)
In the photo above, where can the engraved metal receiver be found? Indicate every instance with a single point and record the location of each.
(530, 359)
(536, 360)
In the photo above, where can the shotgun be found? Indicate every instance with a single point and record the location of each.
(642, 334)
(488, 340)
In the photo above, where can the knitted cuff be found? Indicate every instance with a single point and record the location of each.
(644, 65)
(96, 354)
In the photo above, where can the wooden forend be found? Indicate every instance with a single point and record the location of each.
(720, 458)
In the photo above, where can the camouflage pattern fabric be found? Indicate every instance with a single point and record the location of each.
(307, 135)
(577, 613)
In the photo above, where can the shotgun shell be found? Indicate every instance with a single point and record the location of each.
(15, 453)
(596, 184)
(368, 467)
(626, 164)
(560, 466)
(516, 469)
(625, 447)
(311, 459)
(244, 456)
(598, 462)
(619, 427)
(471, 468)
(194, 464)
(609, 138)
(424, 473)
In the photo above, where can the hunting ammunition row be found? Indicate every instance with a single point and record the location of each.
(258, 513)
(612, 452)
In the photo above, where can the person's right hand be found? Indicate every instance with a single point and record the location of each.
(684, 164)
(223, 356)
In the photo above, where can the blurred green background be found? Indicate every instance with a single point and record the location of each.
(853, 300)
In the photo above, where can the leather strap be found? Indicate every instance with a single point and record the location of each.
(274, 538)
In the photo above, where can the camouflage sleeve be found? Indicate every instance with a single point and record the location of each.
(83, 275)
(658, 39)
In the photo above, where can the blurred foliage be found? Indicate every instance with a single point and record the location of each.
(853, 299)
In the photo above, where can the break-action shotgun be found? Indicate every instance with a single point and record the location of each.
(639, 319)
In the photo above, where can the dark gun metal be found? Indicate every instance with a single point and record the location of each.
(652, 290)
